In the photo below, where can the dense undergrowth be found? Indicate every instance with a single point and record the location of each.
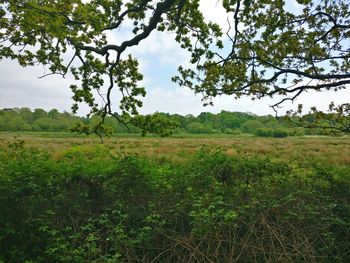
(87, 205)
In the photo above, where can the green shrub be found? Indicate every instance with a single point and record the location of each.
(279, 133)
(263, 132)
(88, 206)
(233, 131)
(199, 128)
(299, 131)
(251, 126)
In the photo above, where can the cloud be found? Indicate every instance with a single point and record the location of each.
(184, 101)
(214, 11)
(21, 87)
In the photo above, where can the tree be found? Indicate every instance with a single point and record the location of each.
(197, 128)
(156, 123)
(26, 115)
(251, 126)
(2, 123)
(335, 121)
(273, 50)
(278, 51)
(10, 120)
(53, 114)
(38, 114)
(43, 31)
(43, 124)
(233, 120)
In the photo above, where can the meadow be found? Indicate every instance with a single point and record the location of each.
(207, 198)
(326, 149)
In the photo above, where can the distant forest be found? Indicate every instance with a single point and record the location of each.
(25, 119)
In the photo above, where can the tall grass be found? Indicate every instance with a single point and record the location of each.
(333, 150)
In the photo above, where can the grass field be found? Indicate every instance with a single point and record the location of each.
(332, 150)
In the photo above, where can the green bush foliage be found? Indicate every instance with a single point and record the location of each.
(263, 132)
(158, 124)
(87, 205)
(276, 133)
(279, 133)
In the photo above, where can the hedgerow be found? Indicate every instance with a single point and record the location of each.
(88, 205)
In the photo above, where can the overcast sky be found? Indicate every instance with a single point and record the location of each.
(159, 57)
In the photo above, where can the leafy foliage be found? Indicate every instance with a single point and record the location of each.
(261, 132)
(88, 205)
(156, 124)
(277, 48)
(335, 121)
(164, 124)
(270, 48)
(46, 31)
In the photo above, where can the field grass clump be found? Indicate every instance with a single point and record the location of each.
(88, 204)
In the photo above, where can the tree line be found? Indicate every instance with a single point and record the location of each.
(225, 122)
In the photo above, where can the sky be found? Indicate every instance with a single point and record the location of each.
(159, 56)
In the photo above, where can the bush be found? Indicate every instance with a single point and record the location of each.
(262, 132)
(233, 131)
(299, 131)
(89, 206)
(199, 128)
(279, 133)
(251, 126)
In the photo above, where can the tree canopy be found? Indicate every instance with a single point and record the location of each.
(270, 48)
(157, 124)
